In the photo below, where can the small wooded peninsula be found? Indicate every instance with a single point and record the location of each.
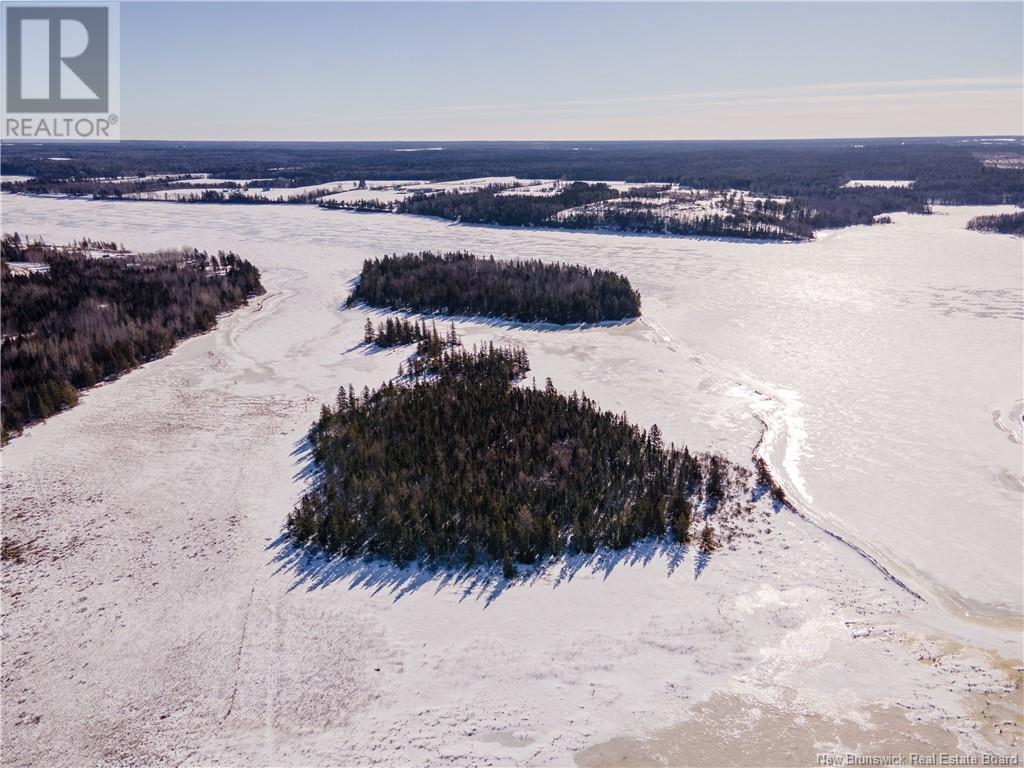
(1001, 223)
(454, 462)
(76, 315)
(527, 291)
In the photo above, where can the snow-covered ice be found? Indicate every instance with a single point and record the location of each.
(157, 617)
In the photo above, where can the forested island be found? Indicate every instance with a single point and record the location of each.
(455, 463)
(526, 291)
(76, 315)
(1003, 223)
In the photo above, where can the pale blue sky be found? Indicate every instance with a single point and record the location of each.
(449, 71)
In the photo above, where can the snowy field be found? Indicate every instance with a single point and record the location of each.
(157, 617)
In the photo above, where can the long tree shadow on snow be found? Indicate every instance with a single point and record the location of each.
(313, 569)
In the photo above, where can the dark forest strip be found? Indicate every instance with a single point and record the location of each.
(1003, 223)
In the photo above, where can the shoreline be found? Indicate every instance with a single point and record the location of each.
(962, 610)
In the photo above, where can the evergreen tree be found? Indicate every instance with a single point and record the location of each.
(707, 540)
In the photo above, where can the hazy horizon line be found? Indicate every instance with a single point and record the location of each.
(435, 141)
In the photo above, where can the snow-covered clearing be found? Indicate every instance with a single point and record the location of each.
(890, 183)
(346, 190)
(1003, 161)
(27, 267)
(205, 179)
(157, 617)
(255, 189)
(460, 185)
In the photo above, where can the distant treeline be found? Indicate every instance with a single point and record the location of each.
(88, 319)
(811, 173)
(463, 465)
(360, 205)
(527, 291)
(944, 170)
(239, 197)
(101, 189)
(1003, 223)
(220, 192)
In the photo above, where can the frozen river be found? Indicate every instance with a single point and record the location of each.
(887, 359)
(157, 617)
